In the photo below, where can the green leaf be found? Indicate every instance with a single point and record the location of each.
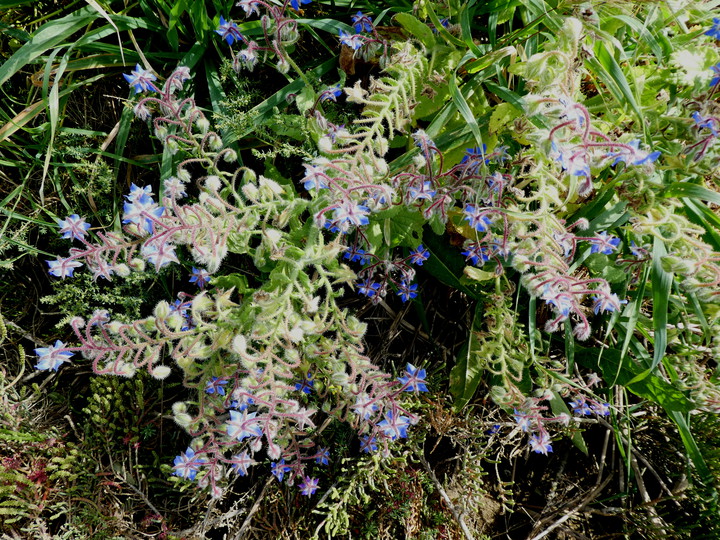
(464, 108)
(558, 407)
(47, 37)
(445, 263)
(693, 191)
(465, 376)
(416, 29)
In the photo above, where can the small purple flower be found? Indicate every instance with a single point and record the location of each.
(229, 31)
(476, 254)
(632, 155)
(241, 462)
(354, 41)
(349, 213)
(296, 4)
(394, 426)
(250, 7)
(419, 255)
(200, 276)
(601, 409)
(306, 385)
(63, 268)
(580, 407)
(414, 379)
(187, 465)
(141, 79)
(331, 93)
(705, 123)
(364, 406)
(159, 256)
(309, 486)
(73, 226)
(522, 420)
(362, 22)
(605, 302)
(604, 243)
(52, 357)
(425, 192)
(243, 425)
(368, 444)
(714, 31)
(368, 287)
(473, 158)
(216, 386)
(474, 216)
(279, 469)
(355, 254)
(323, 456)
(406, 292)
(715, 80)
(541, 444)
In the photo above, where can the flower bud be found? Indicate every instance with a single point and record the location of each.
(213, 183)
(162, 310)
(122, 270)
(251, 192)
(160, 372)
(203, 124)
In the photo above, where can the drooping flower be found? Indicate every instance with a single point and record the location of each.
(424, 192)
(243, 425)
(323, 456)
(306, 385)
(632, 155)
(368, 444)
(229, 31)
(279, 469)
(419, 255)
(200, 277)
(523, 420)
(296, 3)
(141, 79)
(354, 41)
(241, 462)
(714, 30)
(216, 386)
(187, 464)
(604, 243)
(394, 426)
(315, 177)
(250, 6)
(580, 406)
(475, 217)
(52, 357)
(406, 292)
(331, 93)
(364, 406)
(541, 444)
(309, 486)
(362, 22)
(174, 188)
(414, 379)
(159, 255)
(73, 226)
(350, 213)
(356, 254)
(476, 254)
(368, 287)
(604, 302)
(63, 268)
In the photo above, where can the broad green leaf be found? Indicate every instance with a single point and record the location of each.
(416, 29)
(465, 376)
(445, 263)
